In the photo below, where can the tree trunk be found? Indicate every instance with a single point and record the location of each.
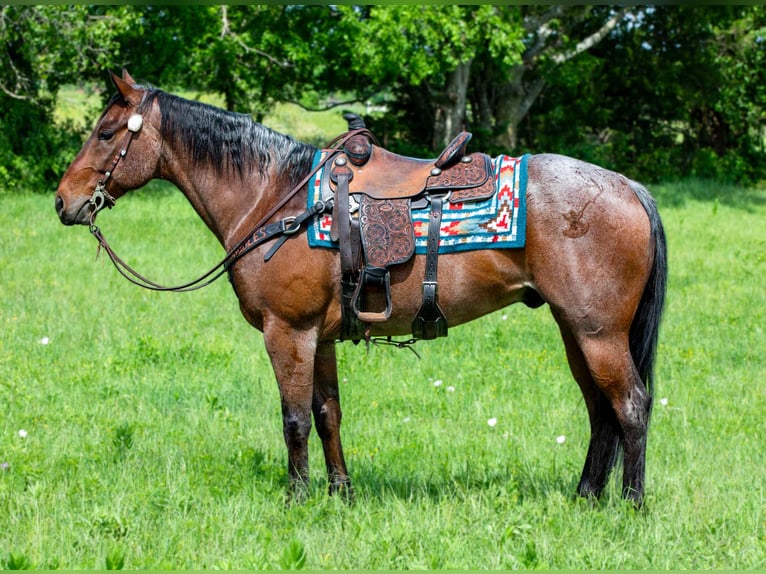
(449, 113)
(518, 92)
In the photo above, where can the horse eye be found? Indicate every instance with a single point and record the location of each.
(106, 135)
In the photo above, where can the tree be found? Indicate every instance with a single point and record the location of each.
(629, 85)
(479, 66)
(554, 36)
(424, 55)
(673, 91)
(253, 55)
(42, 47)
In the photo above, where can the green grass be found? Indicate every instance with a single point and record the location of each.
(153, 433)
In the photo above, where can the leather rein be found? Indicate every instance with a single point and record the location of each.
(260, 233)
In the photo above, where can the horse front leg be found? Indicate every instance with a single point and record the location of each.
(292, 354)
(327, 417)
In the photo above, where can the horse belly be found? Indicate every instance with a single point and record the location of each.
(470, 285)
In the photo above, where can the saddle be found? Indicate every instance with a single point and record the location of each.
(374, 193)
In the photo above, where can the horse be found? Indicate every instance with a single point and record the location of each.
(595, 253)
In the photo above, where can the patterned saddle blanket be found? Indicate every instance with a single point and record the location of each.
(495, 223)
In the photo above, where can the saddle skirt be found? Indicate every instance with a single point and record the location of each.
(498, 222)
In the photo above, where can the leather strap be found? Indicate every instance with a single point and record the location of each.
(341, 174)
(348, 243)
(430, 322)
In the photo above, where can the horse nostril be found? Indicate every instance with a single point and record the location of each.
(59, 204)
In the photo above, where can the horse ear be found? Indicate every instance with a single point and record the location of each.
(126, 76)
(126, 88)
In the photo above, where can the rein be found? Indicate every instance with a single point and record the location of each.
(259, 234)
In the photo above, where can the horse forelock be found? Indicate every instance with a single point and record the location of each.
(229, 141)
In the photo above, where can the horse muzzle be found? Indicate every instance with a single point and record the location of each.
(78, 211)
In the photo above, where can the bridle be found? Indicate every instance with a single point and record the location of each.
(260, 233)
(101, 198)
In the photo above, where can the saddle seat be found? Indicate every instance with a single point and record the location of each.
(386, 175)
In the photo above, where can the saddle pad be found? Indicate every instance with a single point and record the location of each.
(496, 223)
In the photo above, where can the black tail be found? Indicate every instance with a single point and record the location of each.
(646, 324)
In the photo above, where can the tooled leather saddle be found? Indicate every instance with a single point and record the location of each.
(374, 192)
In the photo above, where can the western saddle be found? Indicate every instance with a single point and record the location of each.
(374, 191)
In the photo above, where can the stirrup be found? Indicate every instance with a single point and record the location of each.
(377, 277)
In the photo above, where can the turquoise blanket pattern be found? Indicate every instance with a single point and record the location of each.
(497, 223)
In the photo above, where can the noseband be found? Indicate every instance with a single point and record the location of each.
(101, 198)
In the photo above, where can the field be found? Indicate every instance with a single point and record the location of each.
(142, 430)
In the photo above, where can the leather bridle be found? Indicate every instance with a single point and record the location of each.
(261, 232)
(101, 198)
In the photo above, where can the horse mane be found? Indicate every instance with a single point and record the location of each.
(229, 141)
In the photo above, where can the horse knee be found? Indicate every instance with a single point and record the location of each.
(296, 428)
(328, 418)
(633, 412)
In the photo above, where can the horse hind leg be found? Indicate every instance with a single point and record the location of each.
(327, 418)
(606, 434)
(613, 371)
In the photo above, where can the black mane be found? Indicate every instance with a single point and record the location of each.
(230, 141)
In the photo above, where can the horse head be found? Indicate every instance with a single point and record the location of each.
(121, 154)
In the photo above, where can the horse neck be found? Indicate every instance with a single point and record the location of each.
(226, 202)
(231, 169)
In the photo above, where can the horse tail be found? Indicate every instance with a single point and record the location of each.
(646, 324)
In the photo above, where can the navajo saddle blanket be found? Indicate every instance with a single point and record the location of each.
(496, 223)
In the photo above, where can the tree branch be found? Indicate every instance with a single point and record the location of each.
(14, 95)
(530, 95)
(593, 39)
(226, 31)
(335, 105)
(533, 24)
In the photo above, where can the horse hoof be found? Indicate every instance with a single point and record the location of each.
(343, 489)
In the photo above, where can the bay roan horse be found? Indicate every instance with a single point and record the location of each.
(595, 253)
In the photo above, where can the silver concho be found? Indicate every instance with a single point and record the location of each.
(135, 122)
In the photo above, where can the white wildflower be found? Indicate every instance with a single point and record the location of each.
(492, 422)
(561, 439)
(438, 383)
(22, 433)
(664, 402)
(45, 341)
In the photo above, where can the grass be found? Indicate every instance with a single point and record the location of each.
(153, 434)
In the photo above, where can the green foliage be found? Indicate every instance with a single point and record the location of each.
(253, 55)
(638, 99)
(623, 105)
(43, 47)
(34, 152)
(412, 52)
(115, 559)
(123, 439)
(16, 561)
(423, 42)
